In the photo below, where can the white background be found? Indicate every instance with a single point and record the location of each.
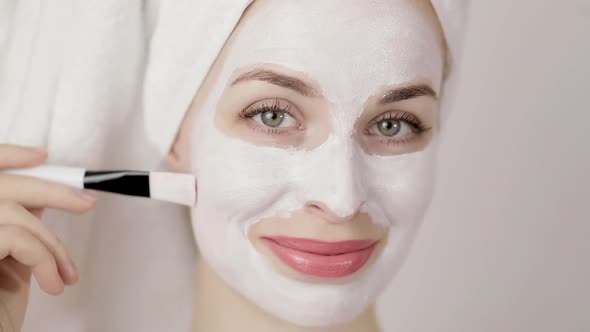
(506, 244)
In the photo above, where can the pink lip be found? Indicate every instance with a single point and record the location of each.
(319, 258)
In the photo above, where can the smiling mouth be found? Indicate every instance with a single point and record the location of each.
(319, 258)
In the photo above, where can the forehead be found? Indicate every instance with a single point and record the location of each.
(350, 47)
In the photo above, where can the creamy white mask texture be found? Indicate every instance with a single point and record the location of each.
(352, 49)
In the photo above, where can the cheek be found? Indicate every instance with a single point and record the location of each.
(399, 188)
(238, 180)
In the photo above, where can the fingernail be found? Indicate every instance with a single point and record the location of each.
(86, 196)
(74, 269)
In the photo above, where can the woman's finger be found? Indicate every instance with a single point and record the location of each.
(35, 193)
(16, 156)
(27, 249)
(14, 214)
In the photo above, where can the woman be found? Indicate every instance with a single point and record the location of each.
(313, 139)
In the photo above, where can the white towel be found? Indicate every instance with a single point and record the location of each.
(105, 84)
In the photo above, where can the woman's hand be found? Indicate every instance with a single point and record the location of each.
(27, 246)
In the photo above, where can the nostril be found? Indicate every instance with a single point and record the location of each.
(313, 207)
(317, 209)
(321, 210)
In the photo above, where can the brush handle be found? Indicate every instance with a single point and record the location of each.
(176, 188)
(71, 176)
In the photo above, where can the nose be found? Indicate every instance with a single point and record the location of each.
(334, 187)
(320, 209)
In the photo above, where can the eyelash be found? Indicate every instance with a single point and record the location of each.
(250, 112)
(417, 125)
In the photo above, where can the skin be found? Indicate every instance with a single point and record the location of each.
(27, 246)
(312, 126)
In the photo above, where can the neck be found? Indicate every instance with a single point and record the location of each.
(218, 308)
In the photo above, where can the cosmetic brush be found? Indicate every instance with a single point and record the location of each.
(178, 188)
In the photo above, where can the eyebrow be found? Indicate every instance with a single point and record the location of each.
(405, 93)
(278, 79)
(301, 87)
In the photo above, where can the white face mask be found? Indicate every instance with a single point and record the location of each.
(352, 49)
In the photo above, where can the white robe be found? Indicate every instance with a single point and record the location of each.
(103, 85)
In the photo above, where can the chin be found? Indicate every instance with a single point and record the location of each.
(326, 293)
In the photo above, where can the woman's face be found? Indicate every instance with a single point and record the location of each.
(314, 149)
